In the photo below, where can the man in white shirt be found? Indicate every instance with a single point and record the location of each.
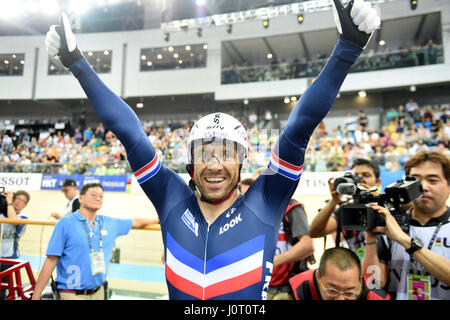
(70, 190)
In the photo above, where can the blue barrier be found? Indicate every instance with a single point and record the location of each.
(388, 177)
(110, 183)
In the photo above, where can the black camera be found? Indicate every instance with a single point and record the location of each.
(3, 202)
(359, 216)
(348, 183)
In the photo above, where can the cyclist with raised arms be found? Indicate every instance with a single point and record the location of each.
(218, 243)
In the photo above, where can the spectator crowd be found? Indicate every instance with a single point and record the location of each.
(302, 67)
(95, 150)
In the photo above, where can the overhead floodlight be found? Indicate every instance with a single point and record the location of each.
(12, 9)
(49, 7)
(32, 6)
(78, 6)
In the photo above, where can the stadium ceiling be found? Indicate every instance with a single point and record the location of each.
(29, 17)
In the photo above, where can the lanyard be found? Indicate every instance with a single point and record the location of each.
(89, 238)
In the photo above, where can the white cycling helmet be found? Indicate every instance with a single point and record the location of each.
(217, 126)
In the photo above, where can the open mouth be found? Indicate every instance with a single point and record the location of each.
(215, 180)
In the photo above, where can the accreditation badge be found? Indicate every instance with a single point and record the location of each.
(418, 287)
(360, 253)
(98, 263)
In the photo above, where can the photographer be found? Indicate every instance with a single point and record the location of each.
(15, 203)
(326, 221)
(415, 265)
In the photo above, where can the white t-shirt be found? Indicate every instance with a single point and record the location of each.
(398, 259)
(10, 237)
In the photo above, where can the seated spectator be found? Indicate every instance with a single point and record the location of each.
(411, 106)
(391, 113)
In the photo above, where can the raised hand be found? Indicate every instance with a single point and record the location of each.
(61, 41)
(357, 21)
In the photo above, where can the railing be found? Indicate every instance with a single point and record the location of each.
(307, 69)
(317, 162)
(53, 222)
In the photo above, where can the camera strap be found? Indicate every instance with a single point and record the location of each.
(338, 234)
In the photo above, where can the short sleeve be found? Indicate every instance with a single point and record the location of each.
(57, 241)
(298, 222)
(122, 226)
(384, 254)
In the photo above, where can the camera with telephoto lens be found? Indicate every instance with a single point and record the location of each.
(358, 215)
(3, 201)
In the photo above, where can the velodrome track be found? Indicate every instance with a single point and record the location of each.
(140, 269)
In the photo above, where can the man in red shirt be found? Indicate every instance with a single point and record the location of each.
(339, 277)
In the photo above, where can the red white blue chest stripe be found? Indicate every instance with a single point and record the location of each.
(230, 271)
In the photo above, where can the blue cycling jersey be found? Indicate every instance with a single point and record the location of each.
(232, 257)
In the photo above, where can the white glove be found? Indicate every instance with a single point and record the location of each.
(357, 21)
(61, 41)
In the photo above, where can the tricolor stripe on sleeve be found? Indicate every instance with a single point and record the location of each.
(149, 170)
(285, 168)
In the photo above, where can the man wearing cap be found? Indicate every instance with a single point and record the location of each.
(70, 190)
